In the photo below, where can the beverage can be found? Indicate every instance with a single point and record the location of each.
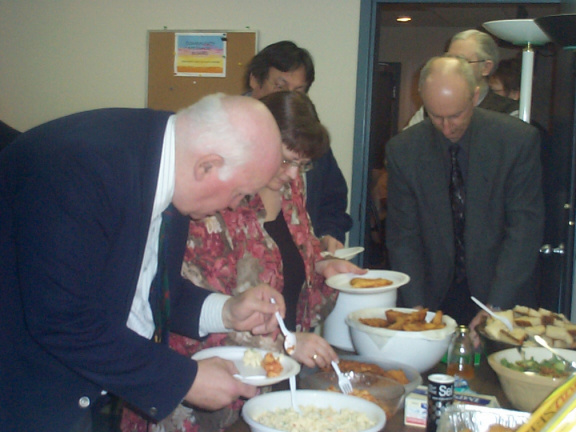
(440, 395)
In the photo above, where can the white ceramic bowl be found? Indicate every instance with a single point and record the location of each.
(526, 391)
(320, 399)
(335, 330)
(421, 350)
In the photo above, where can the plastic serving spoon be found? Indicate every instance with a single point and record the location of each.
(506, 322)
(289, 337)
(543, 343)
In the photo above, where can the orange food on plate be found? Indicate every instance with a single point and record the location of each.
(272, 365)
(359, 282)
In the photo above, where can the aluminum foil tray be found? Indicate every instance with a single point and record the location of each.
(459, 417)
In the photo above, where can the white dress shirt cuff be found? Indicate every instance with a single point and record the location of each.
(211, 315)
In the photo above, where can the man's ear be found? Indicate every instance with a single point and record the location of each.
(254, 84)
(487, 67)
(207, 165)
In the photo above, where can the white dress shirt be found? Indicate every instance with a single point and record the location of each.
(140, 318)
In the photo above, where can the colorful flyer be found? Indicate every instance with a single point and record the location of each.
(200, 54)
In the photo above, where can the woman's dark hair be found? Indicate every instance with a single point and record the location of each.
(285, 56)
(298, 122)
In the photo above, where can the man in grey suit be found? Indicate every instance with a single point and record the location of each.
(498, 157)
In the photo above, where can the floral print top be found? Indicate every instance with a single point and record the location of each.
(231, 252)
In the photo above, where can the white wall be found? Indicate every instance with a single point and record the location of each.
(62, 56)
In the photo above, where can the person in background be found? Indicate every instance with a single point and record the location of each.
(7, 134)
(505, 81)
(267, 239)
(285, 66)
(481, 52)
(465, 205)
(83, 201)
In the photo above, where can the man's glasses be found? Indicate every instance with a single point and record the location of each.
(475, 61)
(302, 166)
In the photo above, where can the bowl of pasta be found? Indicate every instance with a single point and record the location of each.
(402, 335)
(529, 374)
(321, 411)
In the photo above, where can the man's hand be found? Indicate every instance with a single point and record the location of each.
(330, 244)
(252, 310)
(480, 317)
(215, 387)
(331, 267)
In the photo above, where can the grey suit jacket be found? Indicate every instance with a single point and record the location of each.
(504, 212)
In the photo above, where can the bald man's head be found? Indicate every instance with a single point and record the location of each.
(449, 92)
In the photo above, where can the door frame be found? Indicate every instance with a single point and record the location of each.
(368, 33)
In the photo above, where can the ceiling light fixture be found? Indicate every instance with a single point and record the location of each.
(404, 19)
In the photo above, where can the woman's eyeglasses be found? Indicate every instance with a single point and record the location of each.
(302, 166)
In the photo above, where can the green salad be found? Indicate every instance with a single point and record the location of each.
(553, 367)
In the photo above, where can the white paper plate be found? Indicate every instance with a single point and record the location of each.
(345, 253)
(341, 281)
(236, 355)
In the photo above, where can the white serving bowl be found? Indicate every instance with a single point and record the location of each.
(321, 399)
(335, 330)
(420, 349)
(526, 390)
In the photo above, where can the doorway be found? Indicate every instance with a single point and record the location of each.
(384, 121)
(557, 268)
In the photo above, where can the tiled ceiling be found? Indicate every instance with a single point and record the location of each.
(460, 15)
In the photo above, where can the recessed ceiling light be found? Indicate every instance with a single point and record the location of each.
(404, 19)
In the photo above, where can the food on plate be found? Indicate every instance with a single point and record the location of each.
(314, 418)
(555, 328)
(362, 367)
(252, 357)
(407, 321)
(359, 282)
(553, 367)
(272, 365)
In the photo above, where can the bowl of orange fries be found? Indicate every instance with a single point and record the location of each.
(417, 338)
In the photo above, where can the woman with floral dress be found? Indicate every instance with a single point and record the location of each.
(267, 239)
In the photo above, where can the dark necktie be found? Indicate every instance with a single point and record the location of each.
(457, 201)
(159, 296)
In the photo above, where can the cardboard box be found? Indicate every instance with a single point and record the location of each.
(416, 404)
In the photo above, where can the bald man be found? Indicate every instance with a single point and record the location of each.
(481, 52)
(499, 159)
(81, 202)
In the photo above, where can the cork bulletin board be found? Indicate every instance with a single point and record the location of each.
(168, 91)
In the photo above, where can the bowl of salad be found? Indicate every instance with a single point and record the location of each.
(528, 375)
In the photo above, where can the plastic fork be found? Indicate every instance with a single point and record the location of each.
(506, 321)
(289, 337)
(343, 381)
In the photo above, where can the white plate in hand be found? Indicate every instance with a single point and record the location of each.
(345, 253)
(249, 374)
(341, 281)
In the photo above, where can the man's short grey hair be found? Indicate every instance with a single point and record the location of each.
(464, 70)
(208, 123)
(486, 48)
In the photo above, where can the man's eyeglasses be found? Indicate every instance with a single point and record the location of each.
(475, 61)
(302, 166)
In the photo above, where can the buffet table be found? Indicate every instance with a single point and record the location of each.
(485, 382)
